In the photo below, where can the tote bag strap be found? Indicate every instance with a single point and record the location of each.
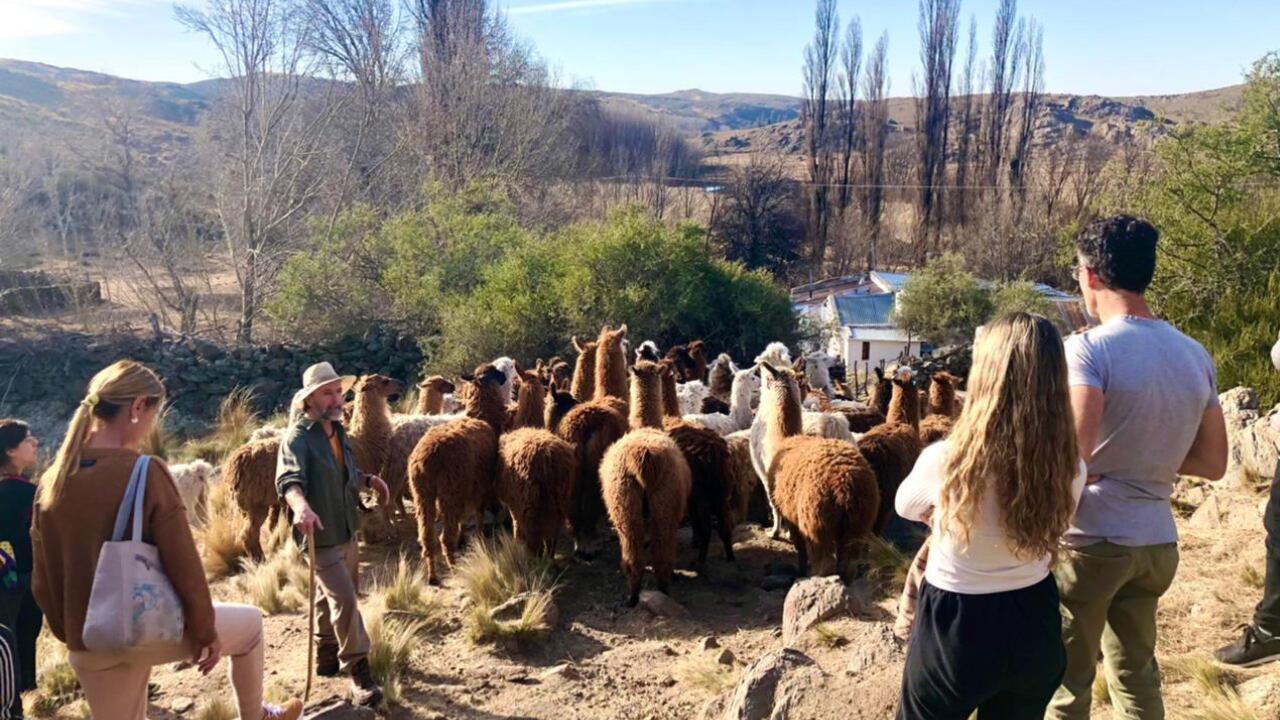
(133, 498)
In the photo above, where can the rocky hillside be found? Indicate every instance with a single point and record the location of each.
(1114, 120)
(45, 103)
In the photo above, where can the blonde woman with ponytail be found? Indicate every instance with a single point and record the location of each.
(999, 493)
(75, 513)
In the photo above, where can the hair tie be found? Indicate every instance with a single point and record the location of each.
(90, 401)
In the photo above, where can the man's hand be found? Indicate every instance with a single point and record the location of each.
(306, 521)
(380, 486)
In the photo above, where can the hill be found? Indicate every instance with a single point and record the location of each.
(45, 103)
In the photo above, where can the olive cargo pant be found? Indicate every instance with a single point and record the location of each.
(1109, 595)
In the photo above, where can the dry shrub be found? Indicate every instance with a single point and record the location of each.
(887, 564)
(235, 422)
(828, 636)
(219, 534)
(391, 644)
(706, 673)
(56, 683)
(278, 584)
(493, 572)
(216, 708)
(403, 592)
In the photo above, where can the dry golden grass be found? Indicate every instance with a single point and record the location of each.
(493, 572)
(234, 423)
(278, 584)
(216, 707)
(829, 636)
(56, 683)
(219, 533)
(705, 673)
(887, 564)
(160, 442)
(403, 592)
(391, 644)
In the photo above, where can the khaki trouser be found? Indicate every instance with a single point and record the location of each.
(338, 620)
(115, 684)
(1109, 595)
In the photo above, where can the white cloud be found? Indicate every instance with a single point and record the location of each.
(37, 18)
(562, 5)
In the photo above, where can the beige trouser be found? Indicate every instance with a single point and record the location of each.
(338, 620)
(115, 684)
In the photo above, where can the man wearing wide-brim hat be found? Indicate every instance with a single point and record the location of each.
(317, 476)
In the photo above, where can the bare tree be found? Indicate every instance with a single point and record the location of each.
(1003, 70)
(938, 30)
(819, 75)
(961, 197)
(1032, 51)
(270, 136)
(486, 107)
(758, 224)
(850, 67)
(875, 134)
(359, 42)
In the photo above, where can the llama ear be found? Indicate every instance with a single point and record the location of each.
(576, 345)
(553, 387)
(771, 369)
(622, 330)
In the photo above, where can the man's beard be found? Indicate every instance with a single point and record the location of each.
(334, 414)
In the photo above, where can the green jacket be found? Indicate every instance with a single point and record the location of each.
(306, 460)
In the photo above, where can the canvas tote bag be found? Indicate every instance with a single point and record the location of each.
(132, 603)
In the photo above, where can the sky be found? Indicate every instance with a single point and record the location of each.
(1106, 47)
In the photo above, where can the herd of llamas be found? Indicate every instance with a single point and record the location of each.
(646, 440)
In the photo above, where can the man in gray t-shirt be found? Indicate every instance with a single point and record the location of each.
(1146, 410)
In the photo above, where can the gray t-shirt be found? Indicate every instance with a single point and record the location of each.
(1157, 383)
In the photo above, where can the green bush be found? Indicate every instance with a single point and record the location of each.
(470, 283)
(944, 302)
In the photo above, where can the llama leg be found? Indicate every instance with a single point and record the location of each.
(663, 550)
(822, 554)
(775, 530)
(700, 518)
(251, 534)
(427, 536)
(802, 552)
(726, 534)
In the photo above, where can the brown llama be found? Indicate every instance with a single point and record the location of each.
(536, 472)
(251, 468)
(611, 364)
(881, 393)
(583, 385)
(705, 452)
(560, 371)
(936, 426)
(823, 489)
(591, 428)
(720, 379)
(451, 471)
(893, 448)
(530, 398)
(698, 354)
(431, 392)
(645, 483)
(670, 397)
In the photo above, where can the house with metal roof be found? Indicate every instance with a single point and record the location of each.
(862, 307)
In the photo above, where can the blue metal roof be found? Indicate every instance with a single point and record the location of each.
(894, 280)
(865, 309)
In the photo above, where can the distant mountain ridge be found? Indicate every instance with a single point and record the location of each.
(49, 103)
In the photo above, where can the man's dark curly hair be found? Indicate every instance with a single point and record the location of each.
(1121, 250)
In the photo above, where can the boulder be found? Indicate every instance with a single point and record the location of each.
(876, 649)
(1254, 437)
(813, 600)
(1262, 693)
(662, 605)
(768, 688)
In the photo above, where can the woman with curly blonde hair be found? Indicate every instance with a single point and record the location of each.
(999, 493)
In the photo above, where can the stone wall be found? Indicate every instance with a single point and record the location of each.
(41, 380)
(35, 293)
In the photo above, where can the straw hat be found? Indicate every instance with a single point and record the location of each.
(316, 377)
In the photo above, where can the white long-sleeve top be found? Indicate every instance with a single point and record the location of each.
(987, 564)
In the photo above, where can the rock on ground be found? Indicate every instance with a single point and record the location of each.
(813, 600)
(768, 688)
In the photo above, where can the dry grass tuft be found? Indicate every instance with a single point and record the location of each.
(887, 564)
(235, 422)
(403, 592)
(493, 572)
(219, 534)
(391, 644)
(1208, 676)
(1250, 576)
(160, 442)
(278, 584)
(216, 708)
(704, 672)
(56, 683)
(829, 636)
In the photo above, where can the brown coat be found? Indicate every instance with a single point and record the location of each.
(67, 537)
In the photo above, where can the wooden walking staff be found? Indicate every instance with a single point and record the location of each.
(311, 613)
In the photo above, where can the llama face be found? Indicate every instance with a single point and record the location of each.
(379, 386)
(438, 384)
